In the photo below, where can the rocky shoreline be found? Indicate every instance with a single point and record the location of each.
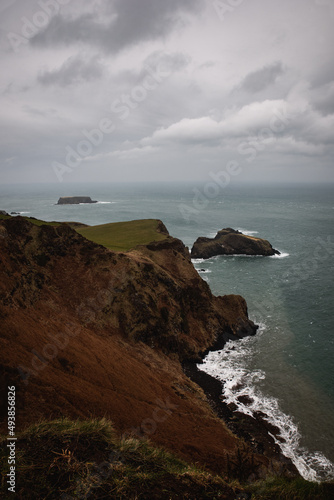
(254, 431)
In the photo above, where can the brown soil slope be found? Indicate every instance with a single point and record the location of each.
(86, 332)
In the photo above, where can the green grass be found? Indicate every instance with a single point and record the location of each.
(86, 459)
(36, 222)
(117, 236)
(123, 236)
(291, 489)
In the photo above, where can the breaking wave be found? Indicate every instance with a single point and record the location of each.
(229, 365)
(281, 256)
(247, 233)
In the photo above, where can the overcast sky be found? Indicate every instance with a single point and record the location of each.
(105, 90)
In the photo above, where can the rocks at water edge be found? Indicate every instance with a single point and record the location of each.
(229, 241)
(74, 200)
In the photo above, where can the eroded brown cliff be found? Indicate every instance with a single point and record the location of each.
(86, 332)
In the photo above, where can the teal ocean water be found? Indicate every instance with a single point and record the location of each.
(287, 369)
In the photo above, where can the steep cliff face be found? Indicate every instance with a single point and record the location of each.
(90, 332)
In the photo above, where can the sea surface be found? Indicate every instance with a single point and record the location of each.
(287, 369)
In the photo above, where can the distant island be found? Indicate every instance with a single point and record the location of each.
(229, 241)
(74, 200)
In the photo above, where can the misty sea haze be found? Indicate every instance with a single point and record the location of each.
(287, 369)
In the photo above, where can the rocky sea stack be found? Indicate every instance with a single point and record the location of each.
(74, 200)
(229, 241)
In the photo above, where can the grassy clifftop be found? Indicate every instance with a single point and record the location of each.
(117, 236)
(123, 236)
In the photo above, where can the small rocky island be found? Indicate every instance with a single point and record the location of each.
(74, 200)
(229, 241)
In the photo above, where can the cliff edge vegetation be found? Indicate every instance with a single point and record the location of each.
(122, 236)
(84, 459)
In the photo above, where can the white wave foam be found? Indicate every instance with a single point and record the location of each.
(230, 367)
(281, 256)
(247, 233)
(24, 213)
(204, 271)
(243, 255)
(105, 202)
(197, 261)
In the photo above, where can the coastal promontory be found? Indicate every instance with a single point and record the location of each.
(101, 330)
(229, 241)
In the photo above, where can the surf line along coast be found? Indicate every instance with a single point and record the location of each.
(254, 429)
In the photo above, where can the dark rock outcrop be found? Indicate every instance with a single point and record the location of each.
(231, 242)
(3, 212)
(74, 200)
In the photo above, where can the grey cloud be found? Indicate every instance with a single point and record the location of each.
(171, 62)
(74, 70)
(126, 22)
(324, 75)
(324, 102)
(44, 113)
(262, 78)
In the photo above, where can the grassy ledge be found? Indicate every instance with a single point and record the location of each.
(123, 236)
